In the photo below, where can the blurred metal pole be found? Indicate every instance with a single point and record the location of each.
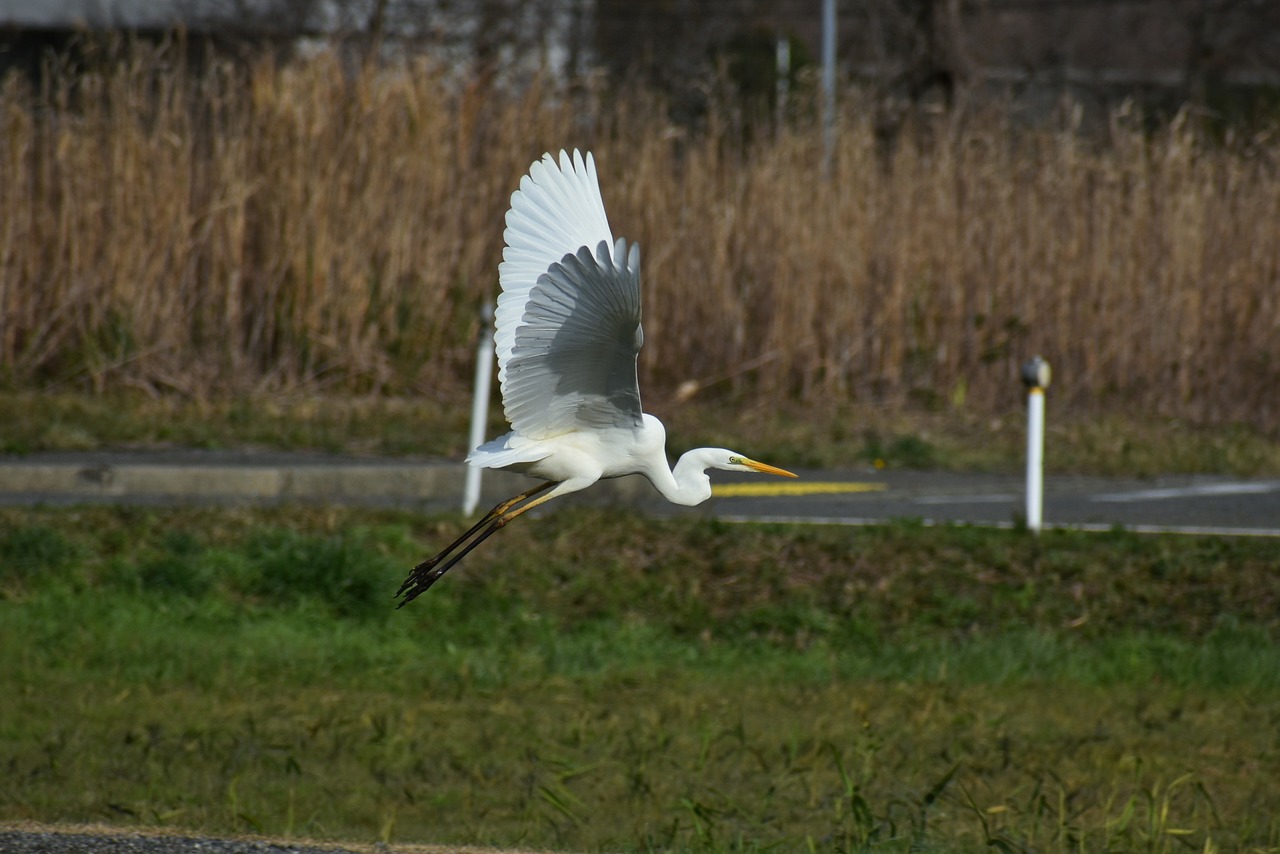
(479, 404)
(1035, 376)
(828, 84)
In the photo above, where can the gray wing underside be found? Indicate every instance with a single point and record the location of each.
(573, 362)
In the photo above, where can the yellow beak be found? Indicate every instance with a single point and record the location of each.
(765, 468)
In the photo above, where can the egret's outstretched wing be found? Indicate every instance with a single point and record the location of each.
(568, 319)
(556, 211)
(573, 358)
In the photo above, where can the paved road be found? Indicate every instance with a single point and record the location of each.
(114, 841)
(1190, 503)
(27, 838)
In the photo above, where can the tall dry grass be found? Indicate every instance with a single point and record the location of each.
(313, 227)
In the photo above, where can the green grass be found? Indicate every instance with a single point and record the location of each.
(76, 422)
(592, 682)
(841, 437)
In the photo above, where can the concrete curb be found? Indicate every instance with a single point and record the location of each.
(239, 477)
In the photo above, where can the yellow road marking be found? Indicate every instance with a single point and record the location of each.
(761, 490)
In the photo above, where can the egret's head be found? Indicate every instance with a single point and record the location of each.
(737, 462)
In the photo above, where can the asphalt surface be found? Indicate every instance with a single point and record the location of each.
(1198, 504)
(1189, 503)
(115, 842)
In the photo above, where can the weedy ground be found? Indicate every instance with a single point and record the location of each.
(597, 682)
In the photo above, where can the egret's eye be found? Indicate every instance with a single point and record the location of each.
(737, 461)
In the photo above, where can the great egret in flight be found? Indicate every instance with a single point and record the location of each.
(567, 335)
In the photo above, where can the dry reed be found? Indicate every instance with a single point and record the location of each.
(311, 227)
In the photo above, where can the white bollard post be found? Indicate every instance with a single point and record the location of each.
(479, 405)
(1035, 375)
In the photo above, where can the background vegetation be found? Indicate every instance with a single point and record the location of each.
(294, 255)
(316, 227)
(604, 683)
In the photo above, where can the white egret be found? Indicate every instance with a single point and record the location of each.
(567, 335)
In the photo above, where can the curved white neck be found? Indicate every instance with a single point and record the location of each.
(687, 483)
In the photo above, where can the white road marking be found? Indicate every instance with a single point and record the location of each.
(1093, 527)
(1208, 490)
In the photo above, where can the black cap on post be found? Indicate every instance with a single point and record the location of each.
(1036, 373)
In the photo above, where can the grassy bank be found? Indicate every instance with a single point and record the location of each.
(304, 227)
(596, 683)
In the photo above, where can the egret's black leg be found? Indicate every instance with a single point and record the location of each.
(497, 510)
(426, 573)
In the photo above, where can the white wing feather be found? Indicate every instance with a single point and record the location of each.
(573, 364)
(568, 319)
(556, 211)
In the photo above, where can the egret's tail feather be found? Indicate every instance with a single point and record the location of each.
(507, 451)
